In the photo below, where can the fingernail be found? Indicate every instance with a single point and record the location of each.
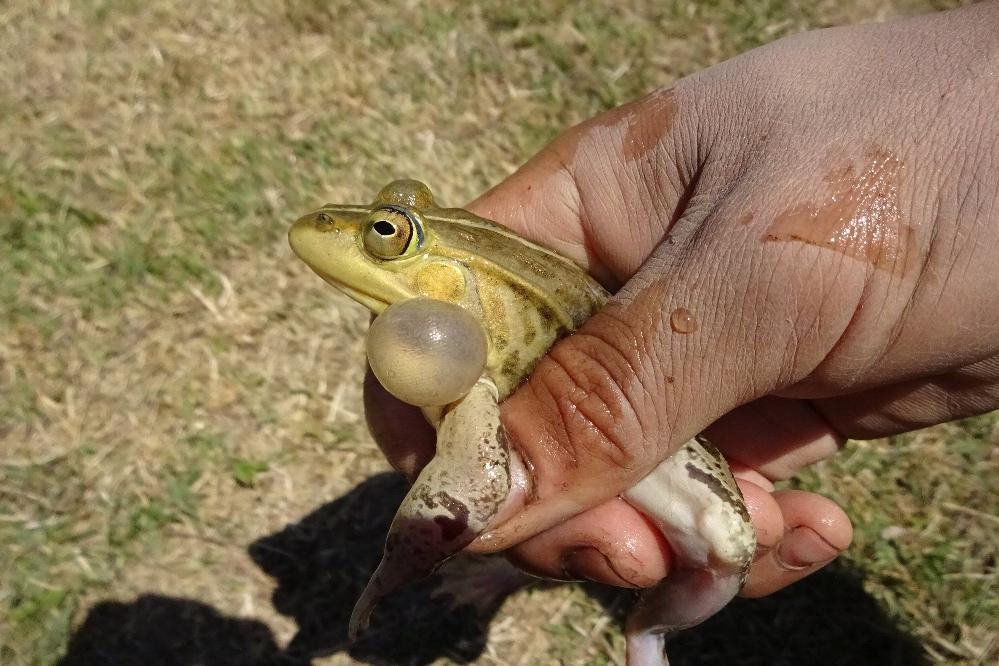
(590, 564)
(802, 548)
(486, 538)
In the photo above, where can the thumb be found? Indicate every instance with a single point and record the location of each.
(709, 317)
(610, 402)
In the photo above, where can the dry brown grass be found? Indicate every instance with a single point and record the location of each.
(175, 390)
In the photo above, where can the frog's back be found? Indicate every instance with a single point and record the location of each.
(530, 296)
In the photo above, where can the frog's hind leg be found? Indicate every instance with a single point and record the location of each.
(451, 502)
(695, 502)
(684, 599)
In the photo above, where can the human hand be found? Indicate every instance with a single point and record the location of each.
(824, 208)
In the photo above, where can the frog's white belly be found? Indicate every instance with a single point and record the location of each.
(693, 500)
(703, 527)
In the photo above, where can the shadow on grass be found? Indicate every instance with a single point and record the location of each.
(827, 618)
(155, 629)
(321, 563)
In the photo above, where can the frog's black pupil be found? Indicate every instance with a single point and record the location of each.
(384, 227)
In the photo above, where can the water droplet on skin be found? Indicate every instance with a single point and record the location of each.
(682, 321)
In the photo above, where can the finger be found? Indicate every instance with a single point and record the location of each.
(775, 436)
(917, 403)
(614, 544)
(605, 192)
(779, 436)
(816, 531)
(400, 430)
(611, 543)
(669, 354)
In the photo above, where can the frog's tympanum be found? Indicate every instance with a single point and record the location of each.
(465, 308)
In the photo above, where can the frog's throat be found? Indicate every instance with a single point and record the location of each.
(453, 500)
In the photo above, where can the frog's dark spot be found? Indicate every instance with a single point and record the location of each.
(520, 290)
(433, 500)
(419, 538)
(722, 490)
(536, 266)
(451, 528)
(530, 333)
(511, 365)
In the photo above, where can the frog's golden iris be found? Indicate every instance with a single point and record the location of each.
(393, 232)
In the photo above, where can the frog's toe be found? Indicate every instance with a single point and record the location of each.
(479, 582)
(361, 614)
(683, 599)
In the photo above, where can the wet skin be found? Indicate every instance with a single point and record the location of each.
(827, 207)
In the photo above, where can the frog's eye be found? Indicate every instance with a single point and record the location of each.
(392, 232)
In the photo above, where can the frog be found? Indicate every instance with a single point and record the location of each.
(463, 308)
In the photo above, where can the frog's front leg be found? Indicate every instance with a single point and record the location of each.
(451, 502)
(695, 502)
(462, 488)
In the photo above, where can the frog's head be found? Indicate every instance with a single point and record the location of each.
(368, 252)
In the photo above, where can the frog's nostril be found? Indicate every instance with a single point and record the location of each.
(323, 218)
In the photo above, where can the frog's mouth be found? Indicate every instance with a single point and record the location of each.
(368, 300)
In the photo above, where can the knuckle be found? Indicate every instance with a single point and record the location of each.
(589, 382)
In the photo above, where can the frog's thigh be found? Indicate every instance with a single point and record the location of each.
(427, 352)
(694, 501)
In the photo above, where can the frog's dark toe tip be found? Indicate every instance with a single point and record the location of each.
(361, 614)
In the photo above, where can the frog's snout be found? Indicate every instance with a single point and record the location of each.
(324, 241)
(303, 235)
(296, 232)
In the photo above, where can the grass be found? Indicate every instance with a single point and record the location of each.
(180, 416)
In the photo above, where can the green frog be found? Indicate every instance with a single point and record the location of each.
(464, 309)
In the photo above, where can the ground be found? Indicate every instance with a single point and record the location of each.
(185, 473)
